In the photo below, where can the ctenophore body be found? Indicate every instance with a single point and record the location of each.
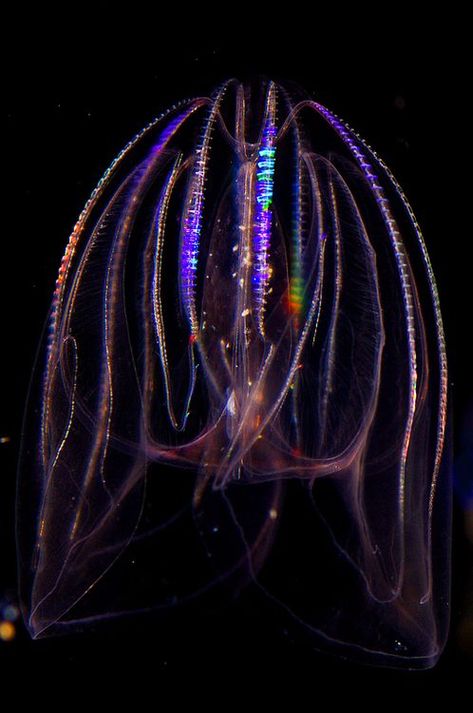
(244, 382)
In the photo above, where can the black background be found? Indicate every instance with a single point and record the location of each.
(76, 91)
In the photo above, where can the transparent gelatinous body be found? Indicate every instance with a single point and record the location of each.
(244, 379)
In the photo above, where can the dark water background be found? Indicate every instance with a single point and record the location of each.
(75, 94)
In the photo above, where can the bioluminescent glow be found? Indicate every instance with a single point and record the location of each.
(244, 381)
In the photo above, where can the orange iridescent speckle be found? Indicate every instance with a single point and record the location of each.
(7, 631)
